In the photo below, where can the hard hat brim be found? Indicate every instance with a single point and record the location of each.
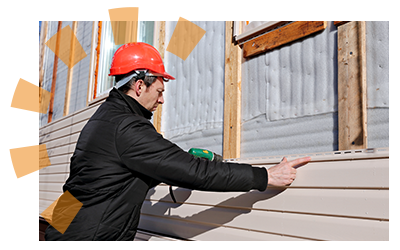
(168, 76)
(165, 75)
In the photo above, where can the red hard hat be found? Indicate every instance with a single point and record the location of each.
(135, 56)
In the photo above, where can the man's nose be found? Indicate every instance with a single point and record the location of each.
(161, 99)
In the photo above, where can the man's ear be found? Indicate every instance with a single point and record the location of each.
(139, 87)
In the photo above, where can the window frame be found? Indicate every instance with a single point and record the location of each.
(243, 36)
(273, 34)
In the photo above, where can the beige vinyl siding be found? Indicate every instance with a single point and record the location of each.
(146, 236)
(342, 196)
(60, 138)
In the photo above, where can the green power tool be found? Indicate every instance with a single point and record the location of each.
(201, 153)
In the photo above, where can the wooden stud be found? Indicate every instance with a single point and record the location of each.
(160, 45)
(96, 72)
(352, 86)
(281, 36)
(54, 78)
(232, 101)
(70, 70)
(92, 67)
(43, 37)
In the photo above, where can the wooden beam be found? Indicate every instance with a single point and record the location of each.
(338, 23)
(232, 99)
(352, 86)
(281, 36)
(160, 45)
(70, 70)
(42, 49)
(92, 67)
(54, 78)
(96, 72)
(43, 37)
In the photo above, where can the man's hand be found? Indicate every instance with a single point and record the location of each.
(285, 172)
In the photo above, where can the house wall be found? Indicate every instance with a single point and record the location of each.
(289, 106)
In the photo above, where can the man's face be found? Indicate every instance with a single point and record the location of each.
(152, 96)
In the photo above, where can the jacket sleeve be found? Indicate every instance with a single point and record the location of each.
(145, 151)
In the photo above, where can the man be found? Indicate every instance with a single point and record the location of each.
(120, 156)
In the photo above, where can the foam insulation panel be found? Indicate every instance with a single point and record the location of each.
(289, 98)
(378, 83)
(316, 133)
(298, 79)
(82, 69)
(192, 115)
(378, 64)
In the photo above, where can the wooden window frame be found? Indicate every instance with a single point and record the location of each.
(273, 37)
(339, 23)
(241, 36)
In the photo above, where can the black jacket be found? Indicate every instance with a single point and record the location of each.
(119, 156)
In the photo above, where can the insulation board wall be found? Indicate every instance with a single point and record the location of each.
(82, 68)
(193, 110)
(289, 95)
(289, 98)
(378, 83)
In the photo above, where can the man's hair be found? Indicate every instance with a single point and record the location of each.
(148, 80)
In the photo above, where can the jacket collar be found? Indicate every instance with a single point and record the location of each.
(133, 105)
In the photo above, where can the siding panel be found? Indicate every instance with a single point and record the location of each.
(369, 203)
(338, 196)
(60, 138)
